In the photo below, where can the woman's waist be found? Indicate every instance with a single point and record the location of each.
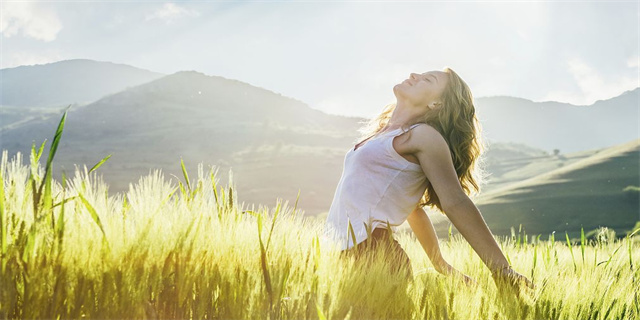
(379, 231)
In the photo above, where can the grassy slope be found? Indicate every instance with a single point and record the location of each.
(506, 171)
(586, 193)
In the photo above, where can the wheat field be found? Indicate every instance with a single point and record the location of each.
(186, 248)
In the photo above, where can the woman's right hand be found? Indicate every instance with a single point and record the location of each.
(447, 269)
(469, 281)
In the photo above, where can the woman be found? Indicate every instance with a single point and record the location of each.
(422, 150)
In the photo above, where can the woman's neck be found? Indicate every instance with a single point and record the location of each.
(401, 117)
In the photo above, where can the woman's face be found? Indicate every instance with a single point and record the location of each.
(422, 90)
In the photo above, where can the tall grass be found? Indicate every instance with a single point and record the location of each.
(73, 251)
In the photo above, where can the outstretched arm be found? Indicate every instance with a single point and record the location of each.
(435, 159)
(426, 234)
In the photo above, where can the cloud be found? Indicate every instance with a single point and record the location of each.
(592, 85)
(33, 20)
(170, 12)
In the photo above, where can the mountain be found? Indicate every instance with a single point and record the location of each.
(273, 144)
(553, 125)
(59, 84)
(32, 93)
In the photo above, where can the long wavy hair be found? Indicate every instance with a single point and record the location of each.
(457, 122)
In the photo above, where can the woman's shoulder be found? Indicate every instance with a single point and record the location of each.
(425, 136)
(426, 131)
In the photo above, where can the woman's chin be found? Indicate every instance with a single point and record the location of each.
(397, 88)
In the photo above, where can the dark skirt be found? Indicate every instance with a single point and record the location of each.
(382, 242)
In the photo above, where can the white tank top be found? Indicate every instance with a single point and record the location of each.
(377, 185)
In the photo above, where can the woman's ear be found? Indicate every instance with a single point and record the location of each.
(434, 105)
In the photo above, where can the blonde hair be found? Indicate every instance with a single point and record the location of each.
(457, 122)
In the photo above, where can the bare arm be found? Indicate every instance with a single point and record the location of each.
(423, 228)
(426, 234)
(468, 220)
(435, 159)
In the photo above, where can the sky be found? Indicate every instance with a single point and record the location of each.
(345, 57)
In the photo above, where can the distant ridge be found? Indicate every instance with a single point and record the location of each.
(554, 125)
(61, 83)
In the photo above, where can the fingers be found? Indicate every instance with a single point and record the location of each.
(510, 281)
(530, 284)
(470, 282)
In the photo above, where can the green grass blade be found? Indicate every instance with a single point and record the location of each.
(3, 223)
(64, 201)
(535, 259)
(582, 242)
(168, 196)
(611, 257)
(273, 223)
(263, 262)
(321, 315)
(94, 216)
(40, 150)
(317, 257)
(285, 278)
(32, 180)
(56, 141)
(351, 232)
(215, 188)
(182, 190)
(46, 183)
(367, 228)
(60, 223)
(295, 206)
(575, 268)
(29, 247)
(629, 241)
(99, 163)
(633, 233)
(186, 176)
(390, 233)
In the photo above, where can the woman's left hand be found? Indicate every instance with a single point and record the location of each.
(509, 279)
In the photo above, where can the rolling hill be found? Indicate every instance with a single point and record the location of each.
(586, 193)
